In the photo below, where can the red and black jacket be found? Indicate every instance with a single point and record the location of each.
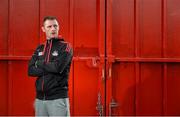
(51, 64)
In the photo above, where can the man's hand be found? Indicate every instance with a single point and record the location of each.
(39, 63)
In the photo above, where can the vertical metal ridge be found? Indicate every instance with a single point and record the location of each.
(9, 64)
(108, 53)
(164, 54)
(135, 100)
(137, 64)
(105, 54)
(71, 36)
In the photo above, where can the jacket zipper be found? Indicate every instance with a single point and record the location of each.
(46, 60)
(42, 85)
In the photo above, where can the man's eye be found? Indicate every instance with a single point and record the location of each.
(49, 26)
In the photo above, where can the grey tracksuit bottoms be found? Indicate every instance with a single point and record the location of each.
(57, 107)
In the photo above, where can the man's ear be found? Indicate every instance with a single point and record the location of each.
(43, 28)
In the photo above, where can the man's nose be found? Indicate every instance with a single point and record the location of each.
(53, 28)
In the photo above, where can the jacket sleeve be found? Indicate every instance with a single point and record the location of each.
(32, 69)
(63, 59)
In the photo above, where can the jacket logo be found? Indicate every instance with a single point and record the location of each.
(55, 53)
(40, 53)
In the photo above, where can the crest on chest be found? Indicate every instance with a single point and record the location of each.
(55, 53)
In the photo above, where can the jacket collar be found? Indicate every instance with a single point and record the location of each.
(55, 39)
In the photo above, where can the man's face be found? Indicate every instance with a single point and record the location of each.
(51, 28)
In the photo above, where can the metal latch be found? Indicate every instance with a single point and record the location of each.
(99, 106)
(112, 104)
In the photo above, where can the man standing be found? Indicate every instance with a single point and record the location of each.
(51, 64)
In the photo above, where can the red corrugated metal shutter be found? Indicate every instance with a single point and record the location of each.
(145, 48)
